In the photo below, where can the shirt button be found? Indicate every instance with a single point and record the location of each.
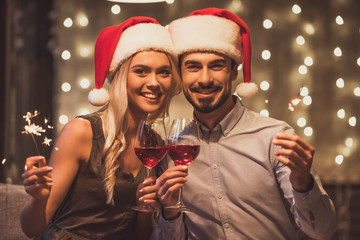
(226, 225)
(220, 196)
(215, 166)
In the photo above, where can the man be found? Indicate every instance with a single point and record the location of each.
(253, 178)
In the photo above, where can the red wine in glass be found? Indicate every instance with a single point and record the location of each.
(150, 156)
(183, 154)
(150, 148)
(183, 148)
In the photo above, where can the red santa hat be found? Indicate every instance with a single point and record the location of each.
(117, 43)
(217, 30)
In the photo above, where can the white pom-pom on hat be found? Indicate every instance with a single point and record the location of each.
(246, 90)
(98, 97)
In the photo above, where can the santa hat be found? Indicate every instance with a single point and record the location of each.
(117, 43)
(216, 30)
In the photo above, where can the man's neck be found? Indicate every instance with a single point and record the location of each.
(210, 120)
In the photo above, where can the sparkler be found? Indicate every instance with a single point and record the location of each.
(33, 129)
(295, 101)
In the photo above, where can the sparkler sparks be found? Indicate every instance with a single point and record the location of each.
(47, 141)
(295, 101)
(33, 129)
(3, 161)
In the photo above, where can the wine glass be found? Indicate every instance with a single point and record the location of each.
(183, 147)
(150, 148)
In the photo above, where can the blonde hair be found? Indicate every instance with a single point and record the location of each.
(115, 118)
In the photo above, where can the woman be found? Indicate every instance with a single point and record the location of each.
(94, 177)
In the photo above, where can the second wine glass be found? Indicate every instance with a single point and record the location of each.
(150, 148)
(183, 148)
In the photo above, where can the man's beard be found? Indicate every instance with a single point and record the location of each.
(205, 105)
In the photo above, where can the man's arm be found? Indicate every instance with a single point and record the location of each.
(313, 210)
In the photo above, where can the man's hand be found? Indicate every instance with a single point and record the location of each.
(168, 185)
(297, 155)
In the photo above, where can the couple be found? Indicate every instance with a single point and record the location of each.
(253, 178)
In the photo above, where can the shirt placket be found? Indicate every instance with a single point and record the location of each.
(218, 183)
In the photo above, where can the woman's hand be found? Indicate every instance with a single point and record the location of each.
(37, 177)
(146, 193)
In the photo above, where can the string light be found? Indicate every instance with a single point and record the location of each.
(296, 9)
(115, 9)
(68, 22)
(340, 83)
(267, 23)
(266, 54)
(66, 55)
(339, 159)
(264, 85)
(339, 20)
(300, 40)
(63, 119)
(341, 113)
(337, 52)
(264, 112)
(66, 87)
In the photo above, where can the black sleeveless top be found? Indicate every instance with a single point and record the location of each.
(84, 214)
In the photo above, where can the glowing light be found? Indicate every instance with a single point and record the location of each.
(304, 91)
(302, 70)
(349, 142)
(47, 141)
(267, 23)
(115, 9)
(309, 29)
(352, 121)
(83, 20)
(339, 159)
(170, 1)
(346, 152)
(296, 9)
(308, 61)
(357, 91)
(308, 131)
(63, 119)
(301, 122)
(338, 52)
(293, 103)
(66, 55)
(339, 20)
(266, 101)
(264, 85)
(358, 61)
(68, 22)
(307, 100)
(84, 52)
(136, 1)
(300, 40)
(341, 113)
(66, 87)
(264, 112)
(3, 161)
(266, 54)
(84, 83)
(340, 83)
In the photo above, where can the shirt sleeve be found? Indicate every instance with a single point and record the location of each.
(169, 229)
(314, 211)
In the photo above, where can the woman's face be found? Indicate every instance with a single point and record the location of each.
(149, 79)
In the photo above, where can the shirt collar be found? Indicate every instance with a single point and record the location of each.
(229, 121)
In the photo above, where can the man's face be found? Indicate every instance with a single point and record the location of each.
(207, 80)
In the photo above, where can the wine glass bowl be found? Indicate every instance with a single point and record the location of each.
(183, 147)
(150, 148)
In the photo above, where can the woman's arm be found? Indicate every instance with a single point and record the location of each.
(72, 152)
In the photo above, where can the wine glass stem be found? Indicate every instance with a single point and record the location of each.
(180, 197)
(148, 171)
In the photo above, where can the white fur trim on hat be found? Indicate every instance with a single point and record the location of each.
(246, 90)
(207, 33)
(141, 37)
(98, 97)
